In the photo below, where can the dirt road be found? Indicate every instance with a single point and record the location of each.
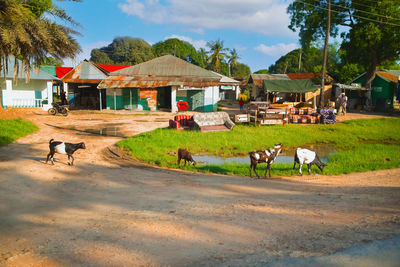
(106, 211)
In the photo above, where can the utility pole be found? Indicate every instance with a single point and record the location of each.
(301, 50)
(321, 102)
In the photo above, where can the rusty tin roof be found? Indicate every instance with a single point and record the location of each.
(85, 72)
(162, 71)
(257, 79)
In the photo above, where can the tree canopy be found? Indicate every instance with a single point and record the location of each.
(124, 51)
(370, 30)
(28, 33)
(179, 48)
(217, 54)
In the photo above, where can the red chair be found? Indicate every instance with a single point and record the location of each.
(182, 122)
(182, 105)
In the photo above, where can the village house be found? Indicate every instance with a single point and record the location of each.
(80, 84)
(16, 91)
(383, 90)
(159, 84)
(260, 90)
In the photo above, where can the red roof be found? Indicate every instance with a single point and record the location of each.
(297, 76)
(111, 68)
(61, 71)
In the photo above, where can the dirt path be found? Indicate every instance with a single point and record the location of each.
(107, 212)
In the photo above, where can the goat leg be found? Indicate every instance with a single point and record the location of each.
(179, 162)
(254, 169)
(309, 168)
(48, 156)
(294, 166)
(72, 163)
(301, 173)
(250, 170)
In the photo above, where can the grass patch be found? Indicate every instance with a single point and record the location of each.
(11, 130)
(348, 137)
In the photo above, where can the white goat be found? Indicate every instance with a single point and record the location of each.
(305, 156)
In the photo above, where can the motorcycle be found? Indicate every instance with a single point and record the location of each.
(58, 108)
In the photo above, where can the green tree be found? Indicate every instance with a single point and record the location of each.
(124, 51)
(232, 59)
(203, 57)
(309, 60)
(372, 37)
(217, 55)
(100, 57)
(241, 70)
(50, 61)
(262, 71)
(178, 48)
(28, 33)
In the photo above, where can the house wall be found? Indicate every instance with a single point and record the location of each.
(380, 88)
(148, 98)
(211, 98)
(22, 94)
(124, 97)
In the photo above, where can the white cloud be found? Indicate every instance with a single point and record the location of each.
(85, 54)
(262, 16)
(197, 44)
(276, 50)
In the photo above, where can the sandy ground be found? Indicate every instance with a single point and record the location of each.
(108, 210)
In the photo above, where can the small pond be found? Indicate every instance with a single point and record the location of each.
(323, 152)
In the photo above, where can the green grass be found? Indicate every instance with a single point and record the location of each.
(11, 130)
(356, 140)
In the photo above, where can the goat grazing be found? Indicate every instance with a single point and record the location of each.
(268, 156)
(63, 148)
(308, 157)
(185, 155)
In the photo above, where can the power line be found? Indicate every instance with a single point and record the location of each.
(367, 12)
(356, 16)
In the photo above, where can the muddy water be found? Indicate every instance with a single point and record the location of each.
(323, 151)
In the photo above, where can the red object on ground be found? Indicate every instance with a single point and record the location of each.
(182, 105)
(182, 122)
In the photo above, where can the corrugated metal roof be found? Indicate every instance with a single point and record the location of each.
(257, 79)
(85, 72)
(226, 80)
(162, 71)
(111, 68)
(34, 75)
(49, 69)
(61, 71)
(391, 75)
(296, 76)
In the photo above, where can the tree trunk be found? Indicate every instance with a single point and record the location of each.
(321, 96)
(371, 72)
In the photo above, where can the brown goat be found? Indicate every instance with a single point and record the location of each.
(185, 155)
(264, 156)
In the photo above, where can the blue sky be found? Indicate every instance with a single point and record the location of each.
(256, 28)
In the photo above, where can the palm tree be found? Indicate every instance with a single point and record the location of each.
(203, 57)
(233, 57)
(27, 33)
(217, 54)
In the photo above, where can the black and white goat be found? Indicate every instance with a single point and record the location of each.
(185, 155)
(268, 156)
(63, 148)
(305, 156)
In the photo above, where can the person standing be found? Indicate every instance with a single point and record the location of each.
(241, 103)
(342, 103)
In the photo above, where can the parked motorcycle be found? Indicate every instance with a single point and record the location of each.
(58, 108)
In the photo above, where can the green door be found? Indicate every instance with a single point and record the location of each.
(196, 100)
(129, 95)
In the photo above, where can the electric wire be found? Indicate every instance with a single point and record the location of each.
(356, 16)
